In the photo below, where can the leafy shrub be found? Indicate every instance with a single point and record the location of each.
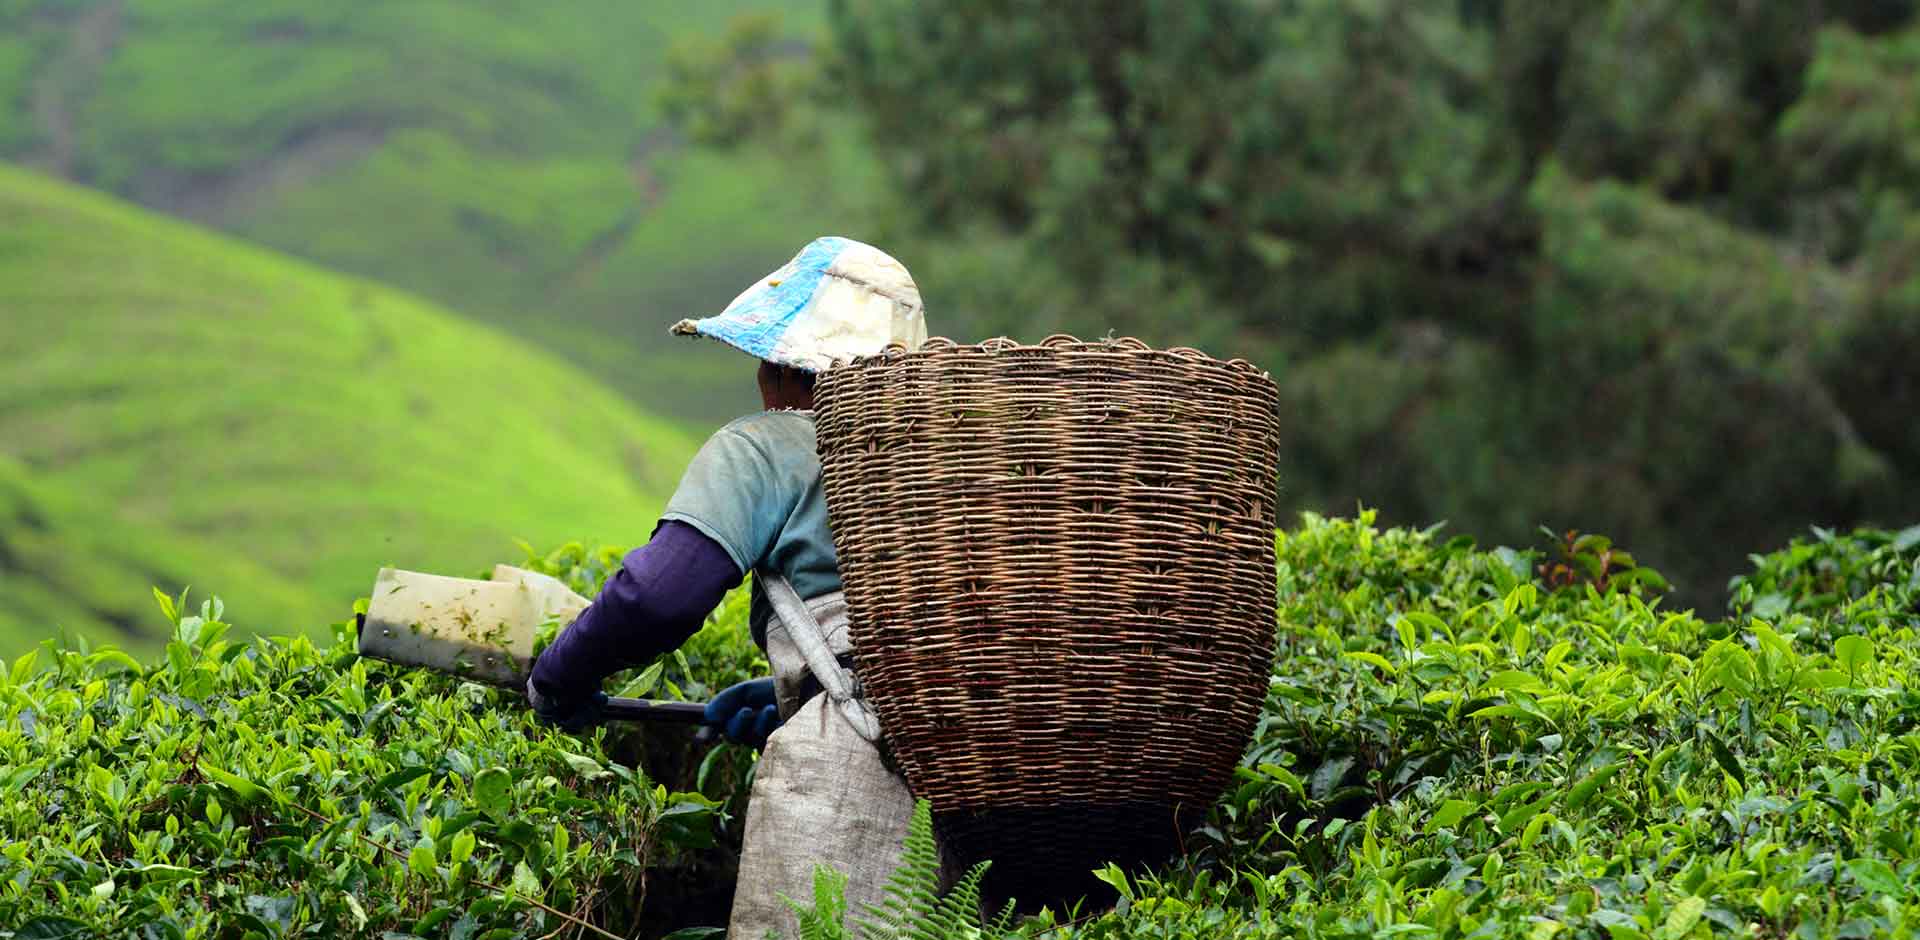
(274, 788)
(1832, 572)
(1593, 559)
(1451, 749)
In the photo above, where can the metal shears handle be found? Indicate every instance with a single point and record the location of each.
(635, 709)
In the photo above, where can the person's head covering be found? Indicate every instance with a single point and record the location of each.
(837, 299)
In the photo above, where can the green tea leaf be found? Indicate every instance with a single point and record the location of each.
(1520, 815)
(1584, 790)
(1773, 643)
(1112, 876)
(1732, 667)
(1450, 814)
(1329, 774)
(1532, 833)
(99, 779)
(1817, 679)
(115, 657)
(402, 777)
(1514, 793)
(493, 791)
(524, 880)
(1515, 679)
(1425, 621)
(1500, 711)
(462, 847)
(424, 858)
(1906, 538)
(585, 766)
(1854, 653)
(245, 789)
(51, 928)
(179, 659)
(641, 685)
(1404, 930)
(1285, 778)
(1681, 919)
(19, 778)
(1876, 875)
(1424, 872)
(167, 609)
(23, 667)
(1372, 659)
(1727, 761)
(1557, 654)
(1521, 639)
(159, 874)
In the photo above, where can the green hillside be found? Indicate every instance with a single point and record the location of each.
(64, 567)
(179, 406)
(509, 160)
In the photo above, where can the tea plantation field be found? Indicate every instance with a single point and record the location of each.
(509, 160)
(1458, 743)
(180, 408)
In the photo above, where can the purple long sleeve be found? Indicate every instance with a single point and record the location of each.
(659, 597)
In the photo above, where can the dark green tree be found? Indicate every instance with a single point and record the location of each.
(1643, 268)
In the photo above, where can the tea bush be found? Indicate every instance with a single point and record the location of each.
(274, 788)
(1842, 576)
(1451, 750)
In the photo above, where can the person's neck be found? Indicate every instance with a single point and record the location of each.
(788, 403)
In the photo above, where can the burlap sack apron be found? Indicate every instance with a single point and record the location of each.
(822, 794)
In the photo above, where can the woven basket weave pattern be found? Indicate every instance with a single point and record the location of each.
(1059, 565)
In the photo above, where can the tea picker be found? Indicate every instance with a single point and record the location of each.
(750, 502)
(1059, 590)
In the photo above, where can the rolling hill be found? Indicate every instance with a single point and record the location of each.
(507, 159)
(175, 403)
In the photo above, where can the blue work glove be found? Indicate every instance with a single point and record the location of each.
(745, 712)
(570, 715)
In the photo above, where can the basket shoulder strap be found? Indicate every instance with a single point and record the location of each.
(811, 639)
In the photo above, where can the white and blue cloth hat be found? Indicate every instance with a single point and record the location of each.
(837, 299)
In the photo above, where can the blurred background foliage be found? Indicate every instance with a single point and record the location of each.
(1646, 268)
(1637, 267)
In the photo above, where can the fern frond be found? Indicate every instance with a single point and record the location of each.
(825, 918)
(958, 913)
(912, 906)
(1003, 924)
(912, 892)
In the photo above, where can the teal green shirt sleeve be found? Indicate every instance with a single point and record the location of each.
(755, 490)
(738, 494)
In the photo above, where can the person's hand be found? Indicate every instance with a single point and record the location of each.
(572, 715)
(746, 712)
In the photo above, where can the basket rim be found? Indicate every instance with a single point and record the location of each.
(1058, 342)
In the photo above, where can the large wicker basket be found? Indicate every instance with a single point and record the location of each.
(1059, 567)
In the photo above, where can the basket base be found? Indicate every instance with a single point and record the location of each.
(1045, 856)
